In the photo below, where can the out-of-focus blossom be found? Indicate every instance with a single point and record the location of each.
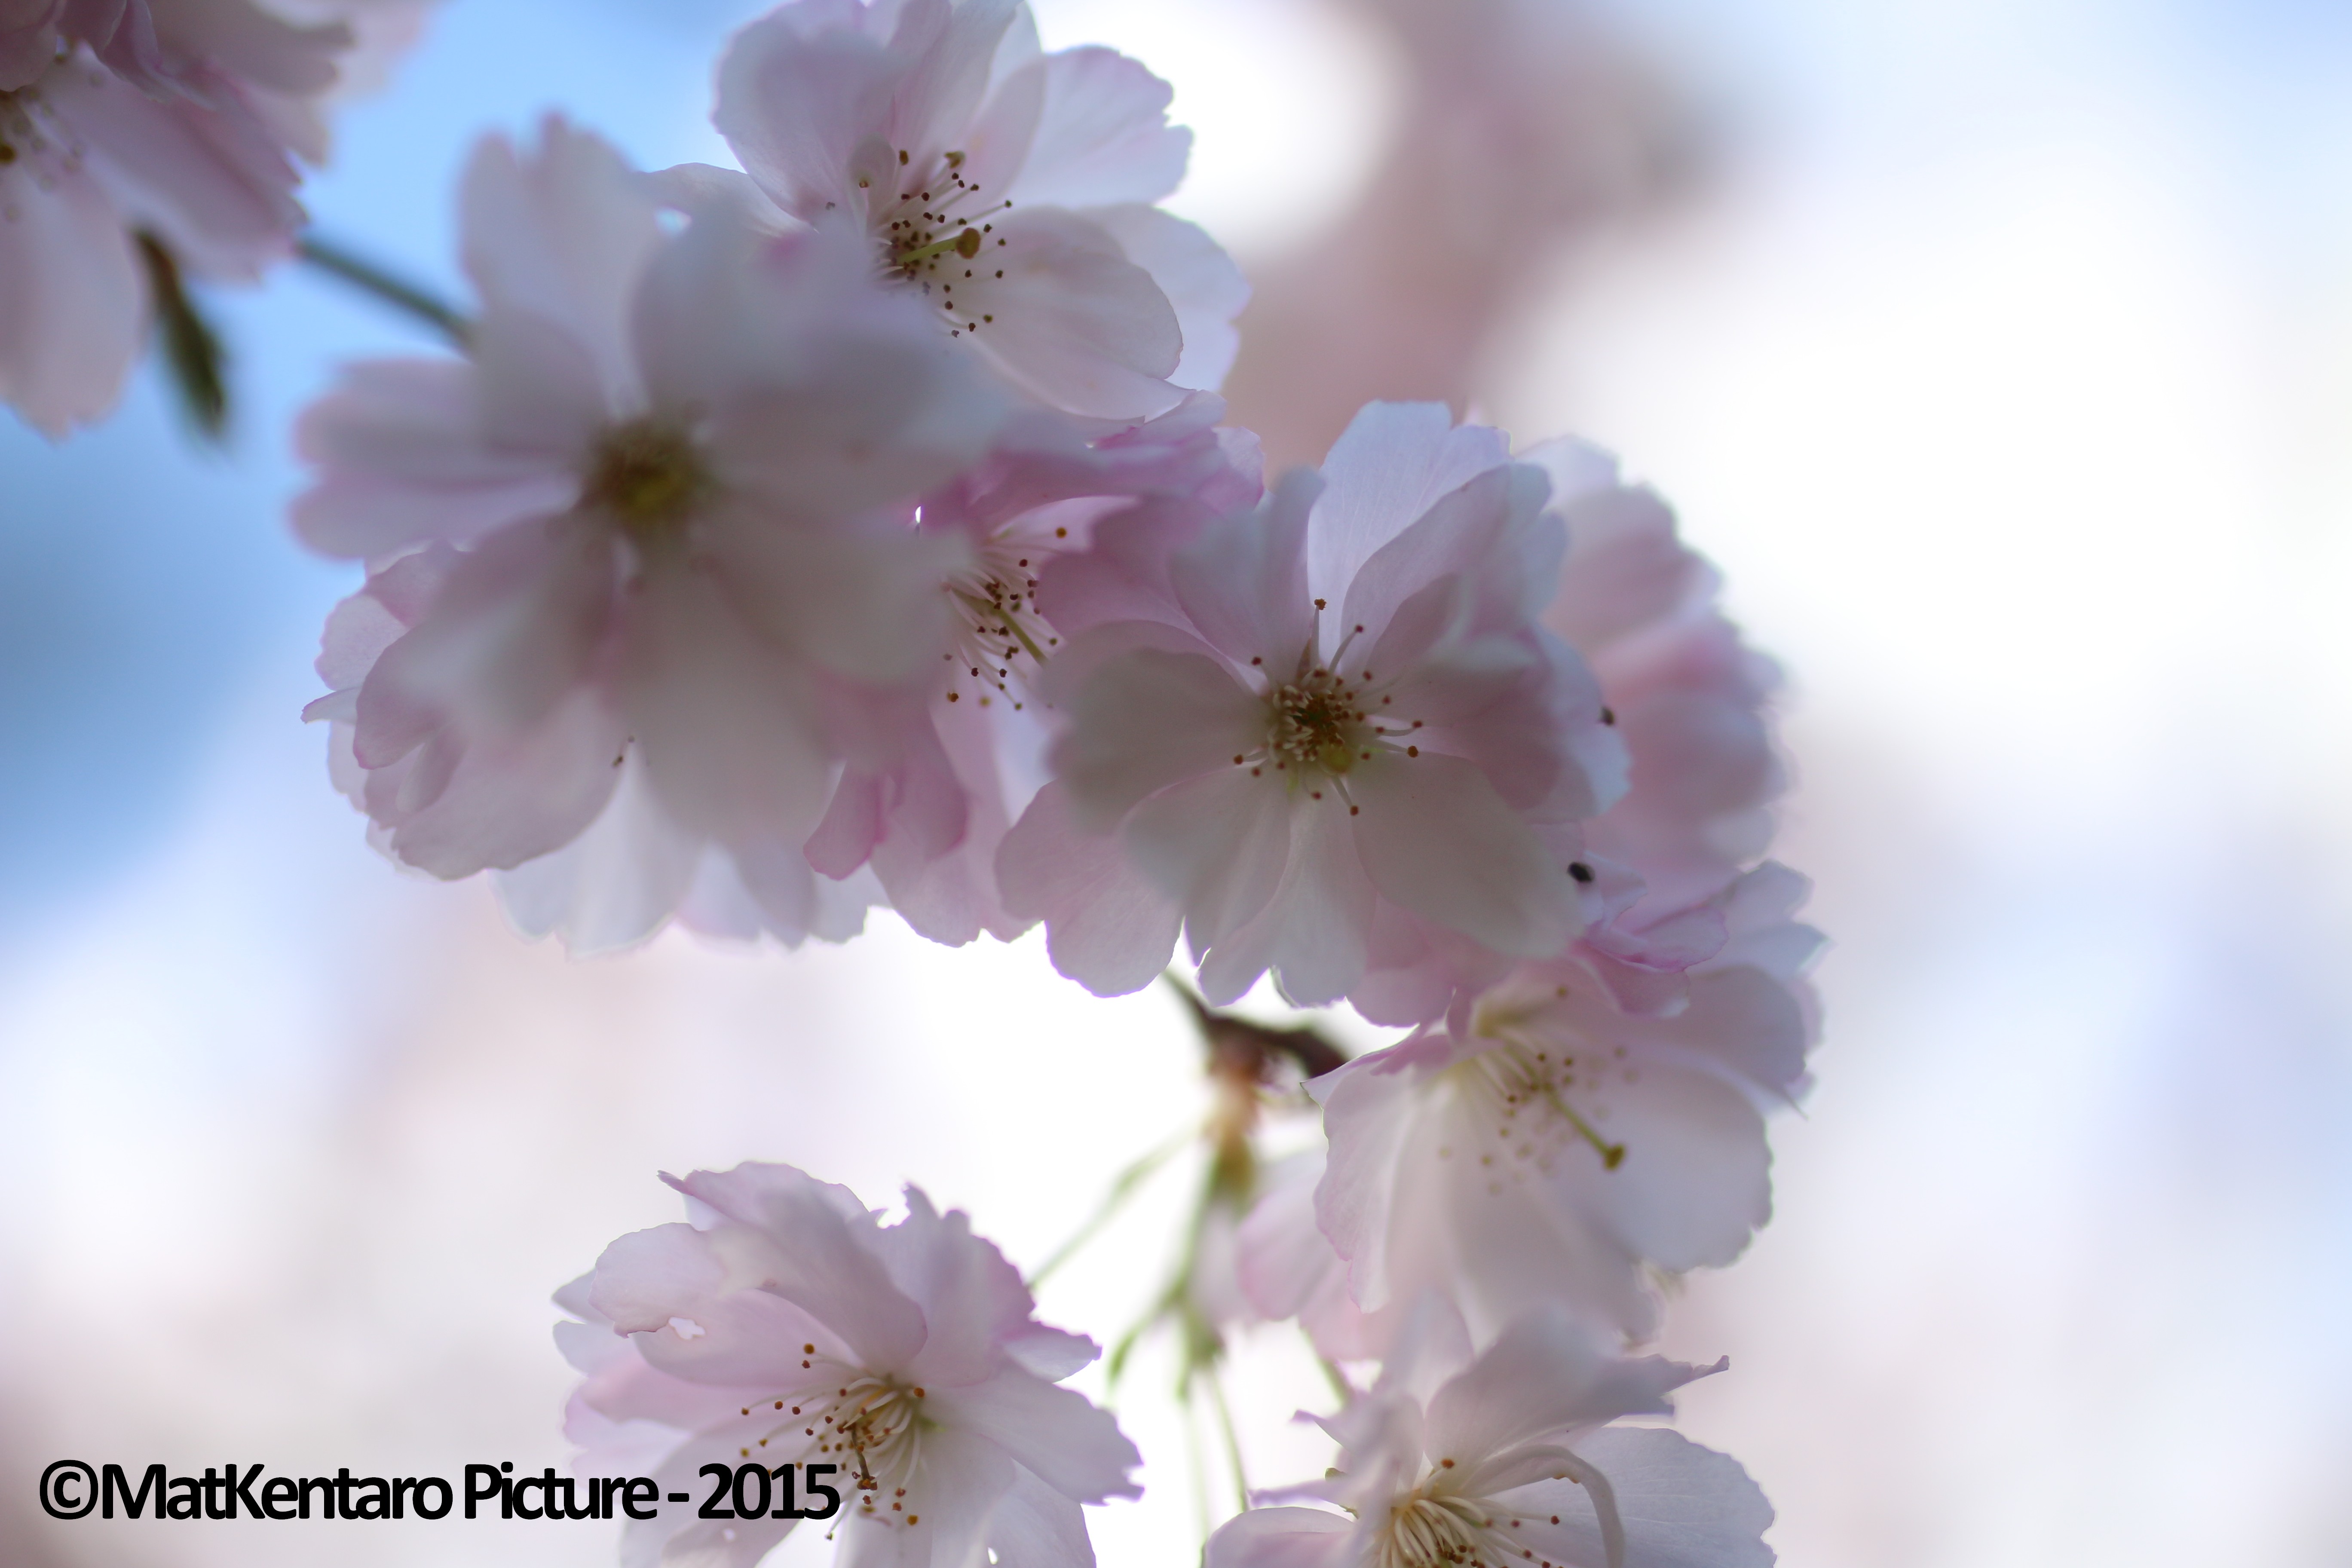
(1525, 130)
(170, 123)
(1511, 1458)
(788, 1325)
(1013, 190)
(633, 558)
(1314, 734)
(1557, 1150)
(972, 734)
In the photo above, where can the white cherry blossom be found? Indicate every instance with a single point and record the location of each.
(635, 556)
(1312, 733)
(1011, 191)
(1555, 1150)
(1512, 1458)
(788, 1325)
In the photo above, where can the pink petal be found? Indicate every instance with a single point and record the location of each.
(1103, 136)
(73, 313)
(1436, 838)
(1107, 927)
(1074, 324)
(1204, 285)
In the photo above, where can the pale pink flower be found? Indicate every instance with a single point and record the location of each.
(1012, 191)
(1311, 733)
(1514, 1458)
(1687, 695)
(634, 555)
(974, 735)
(787, 1325)
(182, 120)
(1555, 1149)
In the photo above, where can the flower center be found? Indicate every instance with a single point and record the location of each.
(870, 1426)
(935, 234)
(1315, 721)
(27, 130)
(648, 476)
(1325, 720)
(1426, 1531)
(996, 620)
(1521, 1087)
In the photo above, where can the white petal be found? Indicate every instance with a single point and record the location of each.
(1103, 136)
(563, 234)
(1072, 322)
(1281, 1538)
(1204, 285)
(1072, 1445)
(1436, 838)
(794, 105)
(616, 884)
(1682, 1506)
(729, 728)
(1107, 927)
(1389, 466)
(1148, 719)
(1314, 930)
(1218, 844)
(401, 456)
(1037, 1527)
(1244, 579)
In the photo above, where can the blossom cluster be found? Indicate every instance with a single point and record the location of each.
(858, 527)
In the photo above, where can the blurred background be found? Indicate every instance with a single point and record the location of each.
(2000, 352)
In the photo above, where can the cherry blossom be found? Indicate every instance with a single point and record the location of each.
(170, 127)
(634, 557)
(973, 735)
(1514, 1458)
(1011, 191)
(787, 1324)
(1558, 1149)
(1687, 699)
(1685, 691)
(1311, 733)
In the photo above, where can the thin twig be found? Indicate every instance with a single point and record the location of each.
(366, 276)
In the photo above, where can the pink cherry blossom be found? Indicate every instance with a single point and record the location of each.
(634, 556)
(1011, 191)
(182, 120)
(787, 1324)
(1556, 1150)
(1512, 1457)
(1310, 734)
(1685, 691)
(973, 735)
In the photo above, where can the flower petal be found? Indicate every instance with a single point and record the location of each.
(1072, 322)
(1107, 927)
(1104, 136)
(1073, 1446)
(1436, 838)
(1281, 1538)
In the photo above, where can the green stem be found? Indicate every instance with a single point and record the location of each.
(1122, 1188)
(410, 298)
(1232, 1438)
